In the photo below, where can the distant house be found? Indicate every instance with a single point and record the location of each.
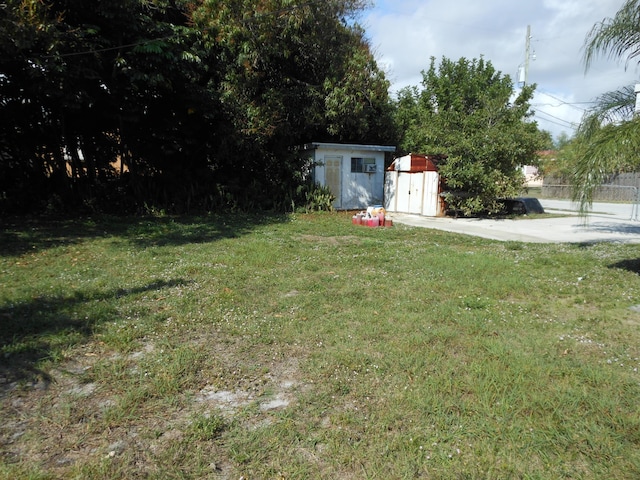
(533, 178)
(354, 173)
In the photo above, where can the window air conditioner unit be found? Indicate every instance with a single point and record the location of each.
(370, 168)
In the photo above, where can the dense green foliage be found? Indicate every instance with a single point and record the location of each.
(467, 111)
(177, 104)
(608, 139)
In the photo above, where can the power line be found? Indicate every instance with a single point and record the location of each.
(572, 127)
(556, 105)
(570, 104)
(557, 120)
(540, 112)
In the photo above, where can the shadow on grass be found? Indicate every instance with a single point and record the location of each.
(203, 229)
(21, 235)
(630, 265)
(39, 329)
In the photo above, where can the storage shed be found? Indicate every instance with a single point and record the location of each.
(412, 185)
(354, 173)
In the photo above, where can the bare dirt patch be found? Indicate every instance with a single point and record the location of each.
(76, 418)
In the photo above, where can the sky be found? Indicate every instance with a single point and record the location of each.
(405, 34)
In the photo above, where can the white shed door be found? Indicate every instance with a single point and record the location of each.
(333, 177)
(403, 192)
(410, 192)
(416, 192)
(431, 200)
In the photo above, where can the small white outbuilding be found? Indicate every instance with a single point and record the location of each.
(354, 173)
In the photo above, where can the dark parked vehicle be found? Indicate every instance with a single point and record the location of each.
(521, 206)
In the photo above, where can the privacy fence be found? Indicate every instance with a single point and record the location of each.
(622, 187)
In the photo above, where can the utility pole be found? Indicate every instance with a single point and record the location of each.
(527, 56)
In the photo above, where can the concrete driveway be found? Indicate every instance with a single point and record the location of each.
(607, 222)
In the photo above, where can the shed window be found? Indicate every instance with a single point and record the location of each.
(363, 165)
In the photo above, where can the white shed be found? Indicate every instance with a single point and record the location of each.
(413, 185)
(354, 173)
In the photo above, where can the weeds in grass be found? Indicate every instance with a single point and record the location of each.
(303, 347)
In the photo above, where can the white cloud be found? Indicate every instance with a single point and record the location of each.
(405, 34)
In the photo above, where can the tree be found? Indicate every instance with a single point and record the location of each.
(201, 101)
(467, 111)
(86, 84)
(292, 72)
(562, 140)
(608, 139)
(358, 108)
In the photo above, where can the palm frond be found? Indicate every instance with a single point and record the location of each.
(604, 150)
(616, 37)
(616, 106)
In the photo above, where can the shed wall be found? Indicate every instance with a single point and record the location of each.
(356, 189)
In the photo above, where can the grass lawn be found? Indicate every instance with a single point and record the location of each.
(304, 347)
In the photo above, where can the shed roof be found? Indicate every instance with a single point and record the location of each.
(350, 146)
(414, 162)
